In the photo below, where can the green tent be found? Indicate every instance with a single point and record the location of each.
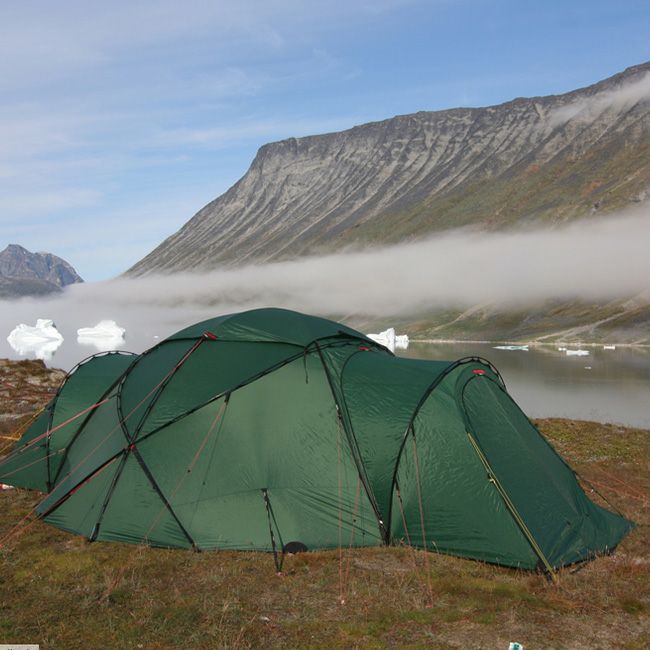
(271, 429)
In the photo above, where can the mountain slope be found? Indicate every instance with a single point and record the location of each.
(24, 273)
(622, 321)
(548, 159)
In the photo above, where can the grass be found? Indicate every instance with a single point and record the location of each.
(60, 591)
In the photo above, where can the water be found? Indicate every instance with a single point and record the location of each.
(606, 386)
(544, 381)
(145, 325)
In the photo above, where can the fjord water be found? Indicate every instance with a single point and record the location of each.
(544, 381)
(605, 386)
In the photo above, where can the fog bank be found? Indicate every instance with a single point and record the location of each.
(592, 260)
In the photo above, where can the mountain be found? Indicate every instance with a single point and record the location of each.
(23, 273)
(542, 160)
(623, 321)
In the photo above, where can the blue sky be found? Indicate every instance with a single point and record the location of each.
(119, 120)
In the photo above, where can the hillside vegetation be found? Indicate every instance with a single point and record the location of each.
(542, 160)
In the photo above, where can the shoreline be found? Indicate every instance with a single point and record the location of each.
(530, 343)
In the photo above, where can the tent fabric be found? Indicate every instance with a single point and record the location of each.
(269, 427)
(36, 459)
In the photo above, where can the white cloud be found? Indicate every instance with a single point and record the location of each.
(94, 94)
(106, 105)
(596, 260)
(626, 96)
(54, 40)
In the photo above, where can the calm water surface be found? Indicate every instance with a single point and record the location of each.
(606, 386)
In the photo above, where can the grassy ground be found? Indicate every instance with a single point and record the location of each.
(62, 592)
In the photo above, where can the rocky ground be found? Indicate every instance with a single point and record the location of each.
(25, 386)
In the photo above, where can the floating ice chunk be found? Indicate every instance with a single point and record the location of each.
(402, 341)
(391, 340)
(42, 340)
(103, 329)
(523, 348)
(105, 336)
(577, 353)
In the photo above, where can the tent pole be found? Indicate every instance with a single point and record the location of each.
(383, 531)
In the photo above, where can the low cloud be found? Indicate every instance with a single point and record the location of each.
(595, 260)
(623, 97)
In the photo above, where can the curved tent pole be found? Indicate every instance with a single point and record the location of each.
(109, 493)
(425, 396)
(118, 382)
(159, 390)
(52, 484)
(163, 498)
(341, 413)
(50, 407)
(75, 488)
(51, 481)
(232, 389)
(52, 403)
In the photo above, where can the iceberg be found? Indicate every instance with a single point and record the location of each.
(524, 348)
(42, 339)
(391, 340)
(105, 336)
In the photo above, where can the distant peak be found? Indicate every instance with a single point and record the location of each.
(35, 272)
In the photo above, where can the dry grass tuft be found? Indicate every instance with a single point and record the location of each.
(62, 592)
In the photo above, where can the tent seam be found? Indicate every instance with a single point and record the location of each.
(349, 431)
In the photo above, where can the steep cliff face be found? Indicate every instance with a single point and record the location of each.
(25, 273)
(548, 159)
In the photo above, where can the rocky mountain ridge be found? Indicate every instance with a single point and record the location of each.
(541, 160)
(24, 273)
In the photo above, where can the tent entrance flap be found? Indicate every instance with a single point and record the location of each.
(544, 493)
